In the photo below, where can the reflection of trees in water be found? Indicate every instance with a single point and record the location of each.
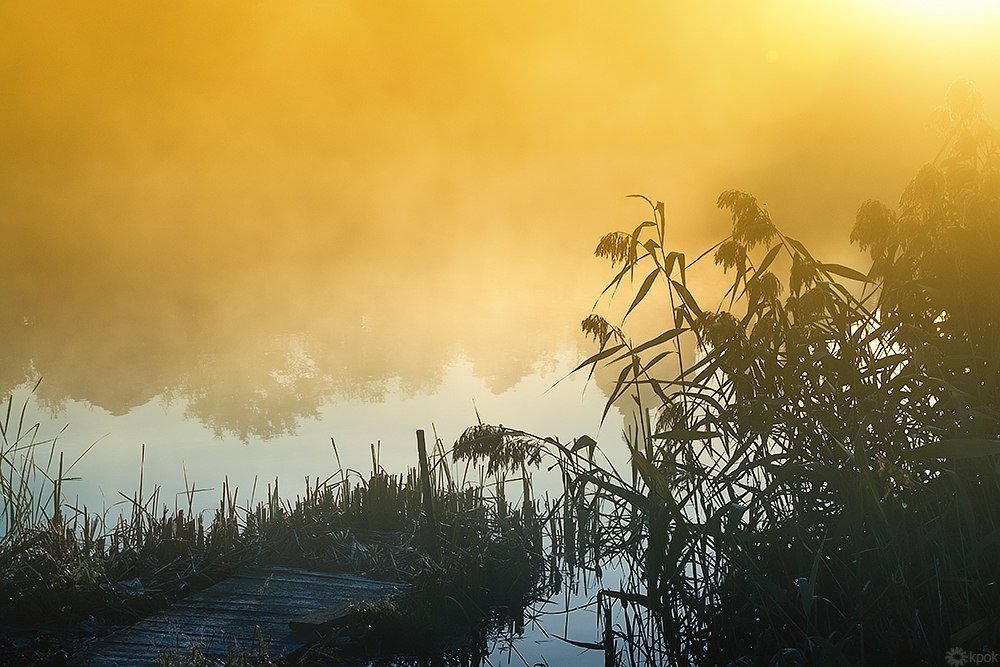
(236, 361)
(262, 394)
(263, 390)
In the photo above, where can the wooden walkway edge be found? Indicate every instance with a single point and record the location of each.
(279, 606)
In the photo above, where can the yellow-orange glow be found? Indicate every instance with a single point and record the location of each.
(967, 8)
(183, 181)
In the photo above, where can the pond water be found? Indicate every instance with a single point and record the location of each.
(175, 447)
(247, 414)
(162, 440)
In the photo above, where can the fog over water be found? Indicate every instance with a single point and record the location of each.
(262, 221)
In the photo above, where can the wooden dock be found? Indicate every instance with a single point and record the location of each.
(279, 605)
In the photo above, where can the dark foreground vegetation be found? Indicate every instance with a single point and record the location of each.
(67, 578)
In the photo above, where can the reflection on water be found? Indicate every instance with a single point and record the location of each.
(180, 451)
(258, 386)
(253, 360)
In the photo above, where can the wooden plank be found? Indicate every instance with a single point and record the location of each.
(323, 621)
(284, 607)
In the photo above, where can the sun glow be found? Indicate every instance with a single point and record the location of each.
(969, 9)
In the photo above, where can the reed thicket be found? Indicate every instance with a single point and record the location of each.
(815, 460)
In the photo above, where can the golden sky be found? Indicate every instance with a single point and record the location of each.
(423, 176)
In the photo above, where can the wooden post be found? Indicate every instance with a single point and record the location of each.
(430, 527)
(609, 637)
(57, 499)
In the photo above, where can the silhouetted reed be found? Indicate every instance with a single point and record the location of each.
(815, 464)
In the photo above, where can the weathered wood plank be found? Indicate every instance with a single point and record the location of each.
(327, 619)
(240, 612)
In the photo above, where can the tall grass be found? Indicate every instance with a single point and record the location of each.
(31, 475)
(817, 479)
(65, 566)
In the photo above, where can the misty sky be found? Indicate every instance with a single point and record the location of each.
(180, 182)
